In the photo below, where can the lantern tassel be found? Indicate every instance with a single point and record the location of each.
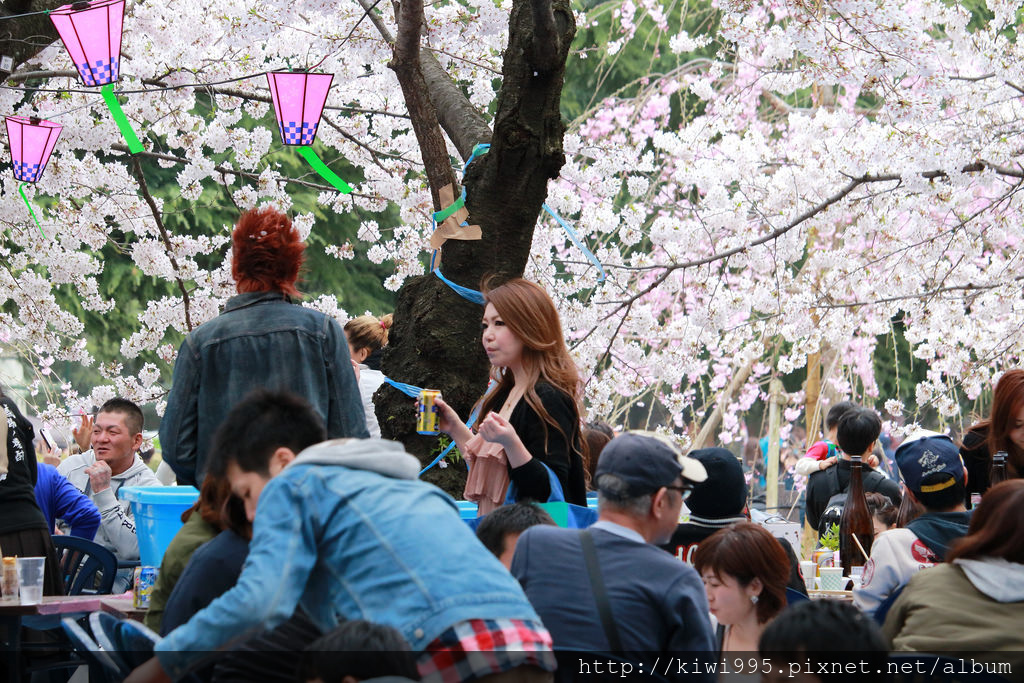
(21, 191)
(320, 167)
(134, 146)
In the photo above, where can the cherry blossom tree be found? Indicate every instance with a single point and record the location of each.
(785, 186)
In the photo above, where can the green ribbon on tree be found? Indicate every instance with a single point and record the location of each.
(326, 173)
(441, 215)
(21, 191)
(134, 146)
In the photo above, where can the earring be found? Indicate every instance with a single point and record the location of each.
(753, 599)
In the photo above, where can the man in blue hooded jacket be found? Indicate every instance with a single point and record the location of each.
(345, 530)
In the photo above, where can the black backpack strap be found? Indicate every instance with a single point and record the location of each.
(604, 608)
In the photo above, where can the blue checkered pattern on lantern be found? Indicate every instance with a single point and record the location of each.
(298, 134)
(101, 72)
(28, 173)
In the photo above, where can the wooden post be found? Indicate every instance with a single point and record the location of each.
(776, 400)
(812, 403)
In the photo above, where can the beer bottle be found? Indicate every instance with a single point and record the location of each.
(856, 530)
(998, 472)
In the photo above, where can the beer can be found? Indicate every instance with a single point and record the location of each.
(142, 586)
(426, 416)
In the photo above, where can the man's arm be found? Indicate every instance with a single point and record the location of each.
(812, 508)
(282, 554)
(693, 632)
(882, 573)
(75, 508)
(179, 427)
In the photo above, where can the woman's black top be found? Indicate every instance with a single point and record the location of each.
(19, 510)
(531, 478)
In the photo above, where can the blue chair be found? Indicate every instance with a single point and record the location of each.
(102, 666)
(794, 596)
(130, 640)
(907, 667)
(86, 567)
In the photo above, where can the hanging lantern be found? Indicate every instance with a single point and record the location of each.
(299, 100)
(91, 33)
(32, 141)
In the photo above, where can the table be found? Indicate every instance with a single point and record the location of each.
(44, 615)
(845, 596)
(122, 608)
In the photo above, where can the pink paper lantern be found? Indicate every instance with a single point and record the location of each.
(91, 33)
(299, 100)
(32, 141)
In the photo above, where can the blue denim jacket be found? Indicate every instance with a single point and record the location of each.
(260, 340)
(346, 531)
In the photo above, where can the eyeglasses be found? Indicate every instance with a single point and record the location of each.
(684, 491)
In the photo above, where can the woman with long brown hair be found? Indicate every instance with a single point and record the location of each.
(529, 437)
(1002, 431)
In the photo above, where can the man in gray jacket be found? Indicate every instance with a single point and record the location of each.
(101, 471)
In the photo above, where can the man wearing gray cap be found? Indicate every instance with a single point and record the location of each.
(609, 587)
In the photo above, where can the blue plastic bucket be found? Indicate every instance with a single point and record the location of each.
(157, 511)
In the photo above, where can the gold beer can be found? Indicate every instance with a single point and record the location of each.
(426, 416)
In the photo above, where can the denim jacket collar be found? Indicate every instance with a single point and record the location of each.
(253, 298)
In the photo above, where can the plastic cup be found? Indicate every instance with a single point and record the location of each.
(30, 579)
(857, 575)
(832, 579)
(809, 568)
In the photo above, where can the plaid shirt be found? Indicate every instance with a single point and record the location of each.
(479, 647)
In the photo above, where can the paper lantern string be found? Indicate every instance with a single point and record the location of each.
(326, 173)
(21, 191)
(134, 146)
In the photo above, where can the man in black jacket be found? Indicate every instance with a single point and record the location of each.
(857, 433)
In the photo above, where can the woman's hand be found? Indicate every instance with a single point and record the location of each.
(447, 419)
(872, 461)
(497, 429)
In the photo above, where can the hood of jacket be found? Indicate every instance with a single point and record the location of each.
(384, 457)
(999, 579)
(938, 529)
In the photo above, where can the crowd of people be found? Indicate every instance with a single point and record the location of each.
(313, 539)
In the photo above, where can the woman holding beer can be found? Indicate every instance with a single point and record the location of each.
(528, 443)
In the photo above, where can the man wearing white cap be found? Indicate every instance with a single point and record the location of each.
(629, 596)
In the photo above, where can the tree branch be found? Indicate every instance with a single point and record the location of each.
(405, 63)
(144, 188)
(545, 48)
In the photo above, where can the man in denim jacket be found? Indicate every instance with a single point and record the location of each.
(345, 530)
(261, 339)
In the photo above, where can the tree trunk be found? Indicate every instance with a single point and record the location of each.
(435, 340)
(24, 37)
